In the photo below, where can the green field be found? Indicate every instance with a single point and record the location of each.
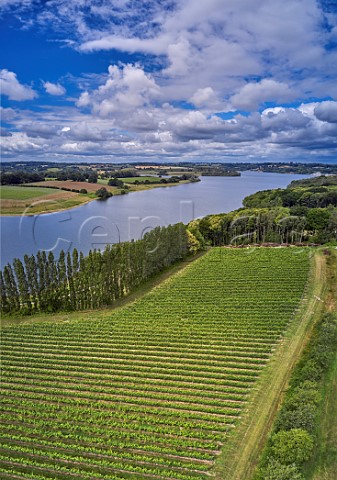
(141, 179)
(154, 389)
(24, 193)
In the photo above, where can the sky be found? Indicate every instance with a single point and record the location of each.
(163, 80)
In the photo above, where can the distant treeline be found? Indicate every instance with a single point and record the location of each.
(20, 177)
(42, 283)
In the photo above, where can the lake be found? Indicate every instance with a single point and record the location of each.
(126, 217)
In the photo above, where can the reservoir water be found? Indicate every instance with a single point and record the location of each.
(127, 217)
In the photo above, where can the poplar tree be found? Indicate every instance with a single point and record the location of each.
(4, 307)
(32, 278)
(11, 289)
(71, 293)
(25, 301)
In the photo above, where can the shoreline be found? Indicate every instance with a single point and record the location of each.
(56, 210)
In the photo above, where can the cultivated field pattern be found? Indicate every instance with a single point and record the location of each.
(154, 390)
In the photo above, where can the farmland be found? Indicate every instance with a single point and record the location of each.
(61, 195)
(27, 193)
(155, 388)
(16, 200)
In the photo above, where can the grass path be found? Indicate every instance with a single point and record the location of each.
(240, 459)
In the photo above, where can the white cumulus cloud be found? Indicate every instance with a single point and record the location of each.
(127, 88)
(54, 88)
(13, 89)
(252, 95)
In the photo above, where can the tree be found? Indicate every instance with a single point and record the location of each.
(23, 285)
(115, 182)
(62, 275)
(70, 273)
(292, 446)
(11, 289)
(103, 194)
(92, 177)
(4, 307)
(32, 278)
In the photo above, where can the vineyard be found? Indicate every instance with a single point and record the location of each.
(154, 390)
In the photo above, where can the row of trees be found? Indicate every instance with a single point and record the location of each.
(75, 282)
(77, 175)
(19, 177)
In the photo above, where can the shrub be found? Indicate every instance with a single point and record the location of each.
(115, 182)
(277, 471)
(303, 416)
(103, 194)
(83, 190)
(292, 446)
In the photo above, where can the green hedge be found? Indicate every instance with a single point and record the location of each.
(294, 436)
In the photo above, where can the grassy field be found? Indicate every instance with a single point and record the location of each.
(150, 179)
(90, 187)
(35, 200)
(155, 388)
(24, 193)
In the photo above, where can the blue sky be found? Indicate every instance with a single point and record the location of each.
(128, 80)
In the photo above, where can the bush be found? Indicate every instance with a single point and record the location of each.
(83, 190)
(277, 471)
(292, 446)
(103, 193)
(115, 182)
(303, 394)
(303, 416)
(307, 370)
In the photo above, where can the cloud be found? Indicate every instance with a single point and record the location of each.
(127, 88)
(39, 130)
(7, 114)
(19, 144)
(13, 89)
(156, 46)
(252, 95)
(204, 97)
(198, 64)
(85, 132)
(84, 100)
(179, 55)
(326, 112)
(4, 132)
(284, 119)
(54, 88)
